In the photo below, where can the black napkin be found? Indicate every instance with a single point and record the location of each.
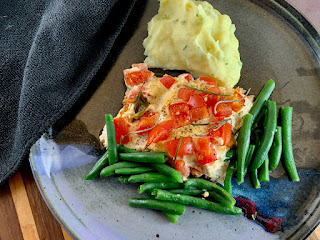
(50, 50)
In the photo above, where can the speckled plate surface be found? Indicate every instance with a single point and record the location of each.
(275, 42)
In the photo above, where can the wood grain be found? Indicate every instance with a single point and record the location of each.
(315, 235)
(48, 227)
(10, 227)
(66, 235)
(22, 206)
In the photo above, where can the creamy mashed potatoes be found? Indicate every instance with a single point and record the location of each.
(193, 36)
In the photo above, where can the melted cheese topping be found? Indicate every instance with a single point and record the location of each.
(160, 98)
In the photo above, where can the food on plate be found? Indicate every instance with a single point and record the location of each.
(193, 36)
(160, 114)
(199, 123)
(286, 125)
(177, 136)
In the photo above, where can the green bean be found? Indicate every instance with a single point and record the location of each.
(110, 170)
(204, 184)
(243, 145)
(123, 179)
(267, 137)
(111, 137)
(287, 152)
(166, 170)
(150, 177)
(254, 178)
(130, 171)
(196, 192)
(143, 157)
(195, 202)
(173, 218)
(230, 154)
(123, 149)
(146, 187)
(187, 191)
(276, 149)
(249, 157)
(256, 137)
(259, 118)
(220, 199)
(264, 171)
(101, 163)
(157, 205)
(227, 184)
(261, 98)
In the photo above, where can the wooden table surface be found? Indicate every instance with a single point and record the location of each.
(25, 215)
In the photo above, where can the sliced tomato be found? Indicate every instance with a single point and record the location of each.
(122, 128)
(196, 101)
(223, 110)
(204, 150)
(198, 109)
(199, 113)
(186, 147)
(167, 81)
(160, 132)
(147, 120)
(180, 112)
(137, 77)
(187, 76)
(181, 167)
(211, 99)
(226, 133)
(185, 93)
(210, 81)
(214, 136)
(236, 106)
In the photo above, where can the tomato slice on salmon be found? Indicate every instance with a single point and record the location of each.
(236, 106)
(215, 136)
(186, 147)
(180, 112)
(226, 133)
(208, 80)
(204, 151)
(199, 113)
(147, 120)
(137, 77)
(198, 106)
(222, 110)
(196, 101)
(160, 132)
(210, 99)
(185, 93)
(180, 166)
(122, 128)
(187, 76)
(167, 81)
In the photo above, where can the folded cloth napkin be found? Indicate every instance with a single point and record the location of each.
(50, 50)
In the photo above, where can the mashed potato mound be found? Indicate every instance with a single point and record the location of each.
(193, 36)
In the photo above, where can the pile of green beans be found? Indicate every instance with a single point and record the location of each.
(166, 190)
(261, 143)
